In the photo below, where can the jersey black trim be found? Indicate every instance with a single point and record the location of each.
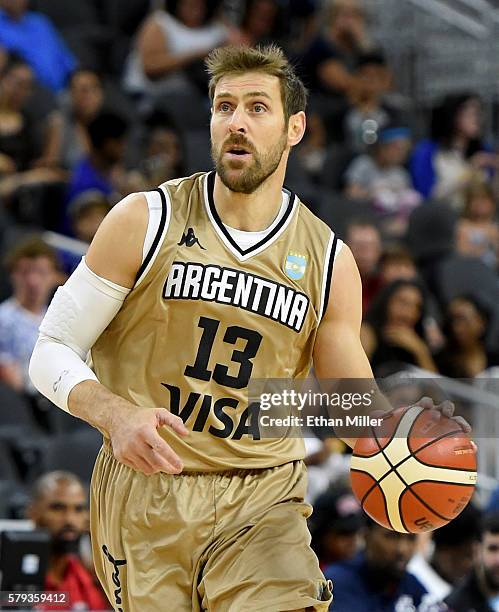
(157, 238)
(223, 229)
(329, 274)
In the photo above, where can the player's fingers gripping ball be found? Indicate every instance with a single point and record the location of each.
(415, 472)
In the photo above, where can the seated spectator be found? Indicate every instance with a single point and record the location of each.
(28, 152)
(33, 36)
(172, 42)
(262, 22)
(397, 263)
(32, 266)
(442, 166)
(480, 589)
(87, 211)
(330, 62)
(22, 144)
(380, 176)
(59, 505)
(477, 233)
(364, 239)
(336, 526)
(393, 331)
(101, 169)
(312, 150)
(376, 579)
(465, 354)
(85, 101)
(454, 548)
(370, 110)
(162, 154)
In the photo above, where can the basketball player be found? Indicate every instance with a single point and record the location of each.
(186, 293)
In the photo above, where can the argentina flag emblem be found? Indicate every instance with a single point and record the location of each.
(295, 265)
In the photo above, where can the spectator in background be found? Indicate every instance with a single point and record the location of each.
(87, 211)
(393, 332)
(59, 505)
(369, 112)
(364, 239)
(331, 61)
(22, 144)
(86, 99)
(397, 263)
(28, 152)
(336, 526)
(262, 23)
(442, 167)
(162, 156)
(376, 579)
(465, 326)
(102, 168)
(480, 589)
(172, 42)
(451, 560)
(380, 177)
(33, 36)
(477, 232)
(32, 266)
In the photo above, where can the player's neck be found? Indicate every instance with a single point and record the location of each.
(249, 212)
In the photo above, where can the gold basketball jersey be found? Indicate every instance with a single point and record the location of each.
(206, 316)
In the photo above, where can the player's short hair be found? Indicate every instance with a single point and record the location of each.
(30, 248)
(269, 59)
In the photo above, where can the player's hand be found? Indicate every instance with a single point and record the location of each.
(137, 443)
(446, 408)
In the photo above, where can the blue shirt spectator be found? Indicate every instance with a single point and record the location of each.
(107, 134)
(33, 37)
(356, 587)
(442, 166)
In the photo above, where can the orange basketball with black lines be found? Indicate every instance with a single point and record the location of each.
(415, 472)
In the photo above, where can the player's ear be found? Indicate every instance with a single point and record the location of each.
(296, 128)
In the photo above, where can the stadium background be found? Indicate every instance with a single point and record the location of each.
(387, 162)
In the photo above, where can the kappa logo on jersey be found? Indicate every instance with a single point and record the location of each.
(194, 281)
(189, 239)
(295, 266)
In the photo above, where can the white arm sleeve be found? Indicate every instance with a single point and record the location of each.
(78, 314)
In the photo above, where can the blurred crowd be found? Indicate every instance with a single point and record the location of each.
(99, 99)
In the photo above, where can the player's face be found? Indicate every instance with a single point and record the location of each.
(63, 512)
(249, 134)
(490, 559)
(388, 551)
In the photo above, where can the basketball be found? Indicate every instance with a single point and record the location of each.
(415, 472)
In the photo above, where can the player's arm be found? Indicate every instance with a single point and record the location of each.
(338, 351)
(78, 314)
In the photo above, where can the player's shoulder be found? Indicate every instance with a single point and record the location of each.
(310, 219)
(185, 184)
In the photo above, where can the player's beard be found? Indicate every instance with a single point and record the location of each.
(249, 178)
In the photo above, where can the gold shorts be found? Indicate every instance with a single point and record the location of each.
(224, 542)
